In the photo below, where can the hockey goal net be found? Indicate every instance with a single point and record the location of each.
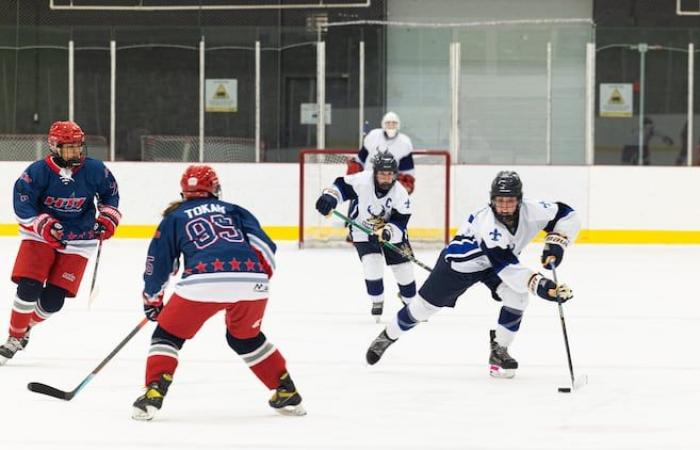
(430, 217)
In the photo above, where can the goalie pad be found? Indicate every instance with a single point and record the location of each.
(353, 167)
(408, 181)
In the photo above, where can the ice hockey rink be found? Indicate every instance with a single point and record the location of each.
(632, 327)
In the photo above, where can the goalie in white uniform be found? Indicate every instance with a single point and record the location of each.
(384, 206)
(387, 138)
(486, 250)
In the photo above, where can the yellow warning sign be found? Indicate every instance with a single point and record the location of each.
(221, 95)
(616, 100)
(221, 92)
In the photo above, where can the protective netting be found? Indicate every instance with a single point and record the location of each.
(429, 220)
(31, 147)
(186, 148)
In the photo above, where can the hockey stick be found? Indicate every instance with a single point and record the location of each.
(45, 389)
(94, 290)
(575, 383)
(406, 253)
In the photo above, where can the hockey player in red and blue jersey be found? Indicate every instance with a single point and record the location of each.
(228, 263)
(54, 202)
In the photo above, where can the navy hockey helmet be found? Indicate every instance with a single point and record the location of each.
(384, 162)
(507, 184)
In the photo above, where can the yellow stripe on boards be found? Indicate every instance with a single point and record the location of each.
(291, 233)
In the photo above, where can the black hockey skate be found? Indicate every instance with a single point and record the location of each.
(25, 340)
(145, 406)
(377, 310)
(9, 348)
(502, 365)
(378, 347)
(286, 400)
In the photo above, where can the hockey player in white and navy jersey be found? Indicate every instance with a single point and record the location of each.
(228, 263)
(486, 250)
(387, 138)
(384, 206)
(65, 204)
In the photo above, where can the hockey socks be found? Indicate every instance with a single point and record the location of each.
(22, 312)
(261, 356)
(409, 316)
(163, 355)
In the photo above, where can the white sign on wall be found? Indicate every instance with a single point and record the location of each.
(309, 114)
(616, 100)
(221, 95)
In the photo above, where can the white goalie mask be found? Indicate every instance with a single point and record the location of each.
(391, 124)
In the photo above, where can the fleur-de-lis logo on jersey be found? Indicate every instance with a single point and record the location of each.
(495, 234)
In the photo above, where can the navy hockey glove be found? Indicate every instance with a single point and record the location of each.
(548, 290)
(152, 305)
(553, 251)
(326, 203)
(50, 229)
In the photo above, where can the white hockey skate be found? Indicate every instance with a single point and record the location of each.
(9, 348)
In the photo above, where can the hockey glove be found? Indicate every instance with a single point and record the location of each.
(353, 167)
(50, 229)
(326, 203)
(386, 232)
(152, 305)
(548, 290)
(107, 222)
(553, 251)
(408, 181)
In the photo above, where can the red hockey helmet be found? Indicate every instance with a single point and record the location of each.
(66, 133)
(199, 182)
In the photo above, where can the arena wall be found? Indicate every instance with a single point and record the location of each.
(616, 204)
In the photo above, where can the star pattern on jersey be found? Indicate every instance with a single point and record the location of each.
(218, 265)
(235, 264)
(249, 264)
(201, 267)
(71, 236)
(187, 272)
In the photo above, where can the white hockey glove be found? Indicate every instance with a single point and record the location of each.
(545, 288)
(388, 233)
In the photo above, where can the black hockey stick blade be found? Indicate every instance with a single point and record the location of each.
(41, 388)
(579, 382)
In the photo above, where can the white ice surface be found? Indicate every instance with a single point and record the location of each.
(632, 327)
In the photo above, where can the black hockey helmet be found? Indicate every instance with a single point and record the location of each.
(384, 162)
(507, 184)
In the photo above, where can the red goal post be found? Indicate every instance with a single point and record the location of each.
(430, 220)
